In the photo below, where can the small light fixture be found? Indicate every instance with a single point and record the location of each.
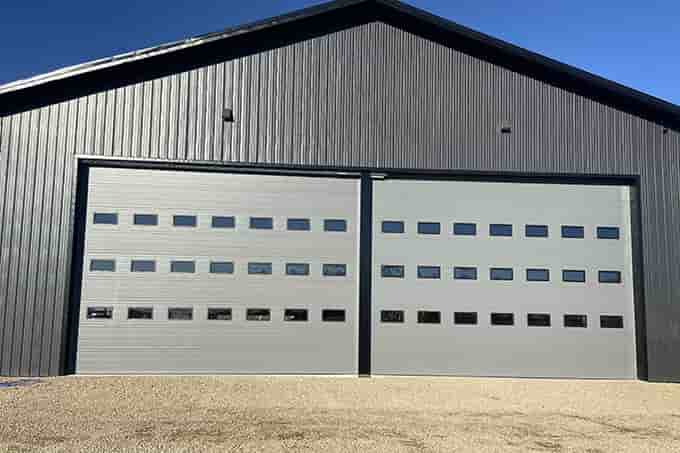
(228, 115)
(506, 130)
(665, 130)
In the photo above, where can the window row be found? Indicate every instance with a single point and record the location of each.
(498, 273)
(502, 319)
(254, 223)
(216, 314)
(501, 229)
(219, 267)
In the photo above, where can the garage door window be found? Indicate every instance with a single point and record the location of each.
(298, 225)
(335, 225)
(502, 319)
(501, 273)
(465, 317)
(334, 270)
(333, 315)
(609, 276)
(140, 313)
(184, 220)
(261, 223)
(572, 232)
(464, 273)
(608, 232)
(259, 268)
(105, 218)
(575, 321)
(429, 317)
(183, 267)
(102, 265)
(536, 231)
(392, 316)
(145, 219)
(392, 271)
(573, 276)
(258, 314)
(180, 314)
(465, 229)
(219, 314)
(143, 266)
(223, 222)
(429, 272)
(392, 226)
(221, 267)
(99, 312)
(611, 322)
(538, 275)
(429, 228)
(295, 314)
(500, 229)
(538, 320)
(297, 269)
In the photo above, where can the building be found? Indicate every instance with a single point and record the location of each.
(355, 188)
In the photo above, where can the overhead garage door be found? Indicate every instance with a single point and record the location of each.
(188, 272)
(502, 279)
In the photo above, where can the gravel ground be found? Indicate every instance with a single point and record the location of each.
(274, 414)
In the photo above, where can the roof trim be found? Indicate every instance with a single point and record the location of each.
(19, 95)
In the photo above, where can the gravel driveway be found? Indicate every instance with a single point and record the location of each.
(273, 414)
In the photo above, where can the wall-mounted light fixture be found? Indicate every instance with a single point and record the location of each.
(665, 130)
(228, 115)
(506, 130)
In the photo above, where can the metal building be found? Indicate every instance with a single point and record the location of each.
(354, 188)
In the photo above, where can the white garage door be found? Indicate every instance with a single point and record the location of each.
(188, 272)
(502, 279)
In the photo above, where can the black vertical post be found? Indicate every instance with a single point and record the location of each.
(365, 279)
(639, 283)
(72, 309)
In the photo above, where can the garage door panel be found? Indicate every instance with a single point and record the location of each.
(446, 348)
(236, 345)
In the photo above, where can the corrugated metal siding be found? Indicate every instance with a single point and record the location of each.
(369, 96)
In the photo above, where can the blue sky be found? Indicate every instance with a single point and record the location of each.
(634, 42)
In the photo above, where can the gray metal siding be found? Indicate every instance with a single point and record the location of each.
(372, 96)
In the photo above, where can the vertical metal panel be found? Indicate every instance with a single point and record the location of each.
(371, 96)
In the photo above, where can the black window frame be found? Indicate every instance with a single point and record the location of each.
(426, 268)
(500, 230)
(140, 310)
(606, 319)
(535, 270)
(539, 320)
(179, 219)
(600, 233)
(104, 215)
(178, 310)
(456, 230)
(424, 226)
(536, 231)
(566, 272)
(565, 231)
(298, 224)
(261, 223)
(268, 267)
(457, 276)
(94, 310)
(214, 266)
(96, 263)
(305, 266)
(326, 266)
(144, 219)
(330, 315)
(399, 223)
(399, 319)
(423, 317)
(617, 281)
(493, 270)
(223, 222)
(501, 319)
(465, 318)
(178, 267)
(335, 225)
(143, 263)
(570, 321)
(214, 310)
(289, 314)
(264, 316)
(385, 267)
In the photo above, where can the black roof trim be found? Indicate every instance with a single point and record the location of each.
(316, 21)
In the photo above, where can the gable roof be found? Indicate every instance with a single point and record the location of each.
(120, 70)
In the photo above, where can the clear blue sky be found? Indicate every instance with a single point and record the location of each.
(634, 42)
